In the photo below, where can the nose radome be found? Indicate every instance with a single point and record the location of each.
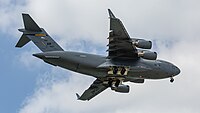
(177, 70)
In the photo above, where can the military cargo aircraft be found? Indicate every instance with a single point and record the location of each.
(125, 62)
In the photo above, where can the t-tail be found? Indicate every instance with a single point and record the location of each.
(32, 32)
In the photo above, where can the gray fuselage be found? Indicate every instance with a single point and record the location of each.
(90, 64)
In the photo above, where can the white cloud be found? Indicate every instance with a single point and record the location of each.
(176, 22)
(10, 11)
(28, 60)
(153, 96)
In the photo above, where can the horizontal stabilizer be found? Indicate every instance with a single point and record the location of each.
(30, 24)
(23, 41)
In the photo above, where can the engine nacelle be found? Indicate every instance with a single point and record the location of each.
(148, 55)
(122, 88)
(140, 43)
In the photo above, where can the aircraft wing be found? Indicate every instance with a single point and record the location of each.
(94, 89)
(120, 44)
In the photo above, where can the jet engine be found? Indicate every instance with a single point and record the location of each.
(140, 43)
(121, 88)
(147, 55)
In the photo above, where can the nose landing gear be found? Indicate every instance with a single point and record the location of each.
(171, 79)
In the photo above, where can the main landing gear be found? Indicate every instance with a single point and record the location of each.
(118, 70)
(123, 70)
(113, 83)
(115, 70)
(171, 79)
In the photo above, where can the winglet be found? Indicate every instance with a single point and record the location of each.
(111, 14)
(78, 96)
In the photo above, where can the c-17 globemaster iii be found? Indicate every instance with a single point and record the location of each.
(124, 62)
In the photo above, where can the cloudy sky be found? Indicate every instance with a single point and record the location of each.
(28, 85)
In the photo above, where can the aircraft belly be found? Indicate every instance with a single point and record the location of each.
(82, 63)
(91, 71)
(63, 63)
(147, 75)
(89, 64)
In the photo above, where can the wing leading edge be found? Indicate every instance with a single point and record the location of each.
(120, 44)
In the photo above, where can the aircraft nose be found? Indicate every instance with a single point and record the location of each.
(176, 70)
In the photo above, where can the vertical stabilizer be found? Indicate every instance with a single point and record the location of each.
(36, 34)
(30, 24)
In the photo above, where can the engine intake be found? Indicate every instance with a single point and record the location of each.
(121, 88)
(140, 43)
(148, 55)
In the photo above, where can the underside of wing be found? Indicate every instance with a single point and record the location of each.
(94, 89)
(120, 44)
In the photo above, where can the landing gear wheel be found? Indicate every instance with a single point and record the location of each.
(171, 79)
(110, 83)
(123, 70)
(115, 70)
(117, 83)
